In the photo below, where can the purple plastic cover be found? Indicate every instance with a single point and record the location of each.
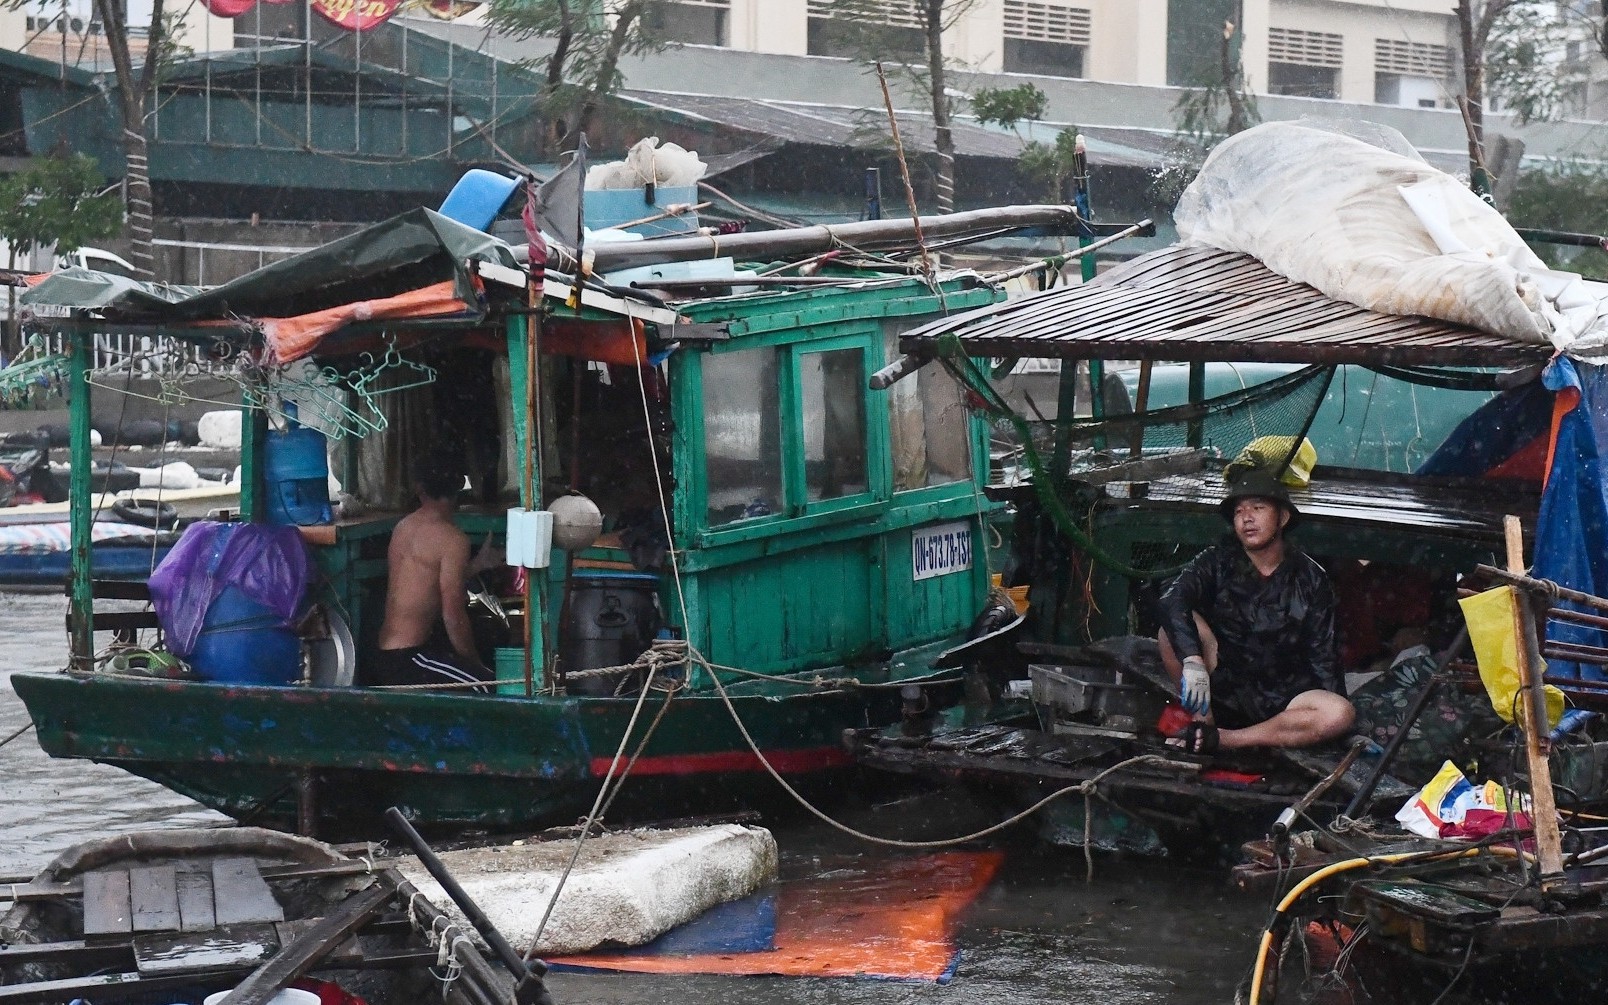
(270, 565)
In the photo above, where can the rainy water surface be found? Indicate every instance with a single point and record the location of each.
(1141, 932)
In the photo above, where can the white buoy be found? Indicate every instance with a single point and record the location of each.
(576, 522)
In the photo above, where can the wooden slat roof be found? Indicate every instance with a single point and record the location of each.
(1192, 304)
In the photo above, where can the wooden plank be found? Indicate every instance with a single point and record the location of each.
(74, 953)
(24, 891)
(121, 986)
(196, 912)
(106, 903)
(239, 894)
(161, 953)
(153, 899)
(348, 952)
(312, 947)
(1436, 904)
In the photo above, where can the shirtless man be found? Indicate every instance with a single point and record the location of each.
(429, 559)
(1248, 633)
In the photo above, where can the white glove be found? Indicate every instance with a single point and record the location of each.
(1195, 686)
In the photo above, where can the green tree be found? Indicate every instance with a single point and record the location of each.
(54, 200)
(589, 37)
(908, 39)
(1572, 196)
(1049, 164)
(136, 101)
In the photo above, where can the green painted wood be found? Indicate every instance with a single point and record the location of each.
(930, 608)
(806, 607)
(445, 758)
(253, 437)
(81, 618)
(780, 537)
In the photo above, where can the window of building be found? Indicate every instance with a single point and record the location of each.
(742, 435)
(1304, 64)
(1046, 39)
(896, 33)
(1195, 40)
(929, 428)
(693, 22)
(1410, 74)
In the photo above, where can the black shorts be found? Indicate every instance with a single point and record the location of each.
(424, 665)
(1238, 703)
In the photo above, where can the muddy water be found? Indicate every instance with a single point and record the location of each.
(1140, 932)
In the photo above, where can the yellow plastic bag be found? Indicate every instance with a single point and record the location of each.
(1493, 628)
(1270, 451)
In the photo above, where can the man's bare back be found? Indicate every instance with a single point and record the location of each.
(428, 557)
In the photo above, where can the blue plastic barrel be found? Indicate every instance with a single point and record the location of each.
(296, 477)
(243, 642)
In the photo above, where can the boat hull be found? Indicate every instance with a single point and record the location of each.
(446, 759)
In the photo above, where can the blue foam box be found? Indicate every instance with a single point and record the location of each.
(610, 207)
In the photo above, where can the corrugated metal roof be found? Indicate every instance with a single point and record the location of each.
(1204, 304)
(865, 128)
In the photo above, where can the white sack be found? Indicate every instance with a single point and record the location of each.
(176, 475)
(220, 430)
(1381, 230)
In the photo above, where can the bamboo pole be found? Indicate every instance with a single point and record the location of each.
(1141, 402)
(1544, 811)
(1519, 579)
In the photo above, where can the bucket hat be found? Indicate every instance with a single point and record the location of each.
(1257, 483)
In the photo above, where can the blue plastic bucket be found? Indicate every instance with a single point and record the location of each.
(243, 642)
(296, 477)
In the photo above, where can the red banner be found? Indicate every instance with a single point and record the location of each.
(356, 15)
(353, 15)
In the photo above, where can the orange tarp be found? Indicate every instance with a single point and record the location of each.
(891, 919)
(294, 337)
(618, 342)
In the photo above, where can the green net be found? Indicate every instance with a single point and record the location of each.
(1267, 420)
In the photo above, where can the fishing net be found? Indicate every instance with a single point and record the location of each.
(1268, 421)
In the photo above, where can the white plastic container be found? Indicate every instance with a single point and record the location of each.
(289, 996)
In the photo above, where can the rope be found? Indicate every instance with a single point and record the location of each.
(16, 734)
(593, 816)
(1086, 787)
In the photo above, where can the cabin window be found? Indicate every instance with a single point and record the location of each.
(832, 395)
(742, 435)
(928, 425)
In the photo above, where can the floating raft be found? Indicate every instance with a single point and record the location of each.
(173, 916)
(626, 889)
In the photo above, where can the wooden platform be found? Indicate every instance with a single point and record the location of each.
(170, 898)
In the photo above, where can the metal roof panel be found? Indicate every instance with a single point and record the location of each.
(1182, 303)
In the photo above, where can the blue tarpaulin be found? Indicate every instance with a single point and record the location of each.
(1571, 538)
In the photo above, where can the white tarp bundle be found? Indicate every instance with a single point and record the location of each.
(1382, 229)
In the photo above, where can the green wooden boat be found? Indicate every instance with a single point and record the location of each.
(820, 532)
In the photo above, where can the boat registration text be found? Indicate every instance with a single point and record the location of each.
(940, 550)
